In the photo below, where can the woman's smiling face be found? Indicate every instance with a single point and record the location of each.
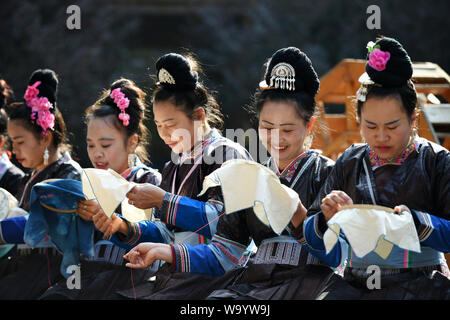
(107, 146)
(282, 131)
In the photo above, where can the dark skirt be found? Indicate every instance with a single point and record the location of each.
(26, 276)
(168, 285)
(99, 281)
(411, 285)
(276, 282)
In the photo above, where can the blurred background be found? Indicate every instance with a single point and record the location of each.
(231, 38)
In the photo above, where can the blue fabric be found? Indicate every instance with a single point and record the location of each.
(13, 229)
(148, 232)
(70, 234)
(186, 213)
(315, 245)
(199, 259)
(438, 232)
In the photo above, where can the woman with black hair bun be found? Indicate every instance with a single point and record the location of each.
(37, 131)
(10, 174)
(397, 169)
(187, 118)
(284, 106)
(116, 139)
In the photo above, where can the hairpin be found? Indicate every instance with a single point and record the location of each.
(165, 77)
(122, 103)
(283, 76)
(40, 106)
(377, 58)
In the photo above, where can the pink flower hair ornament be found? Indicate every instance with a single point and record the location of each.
(40, 106)
(122, 103)
(377, 58)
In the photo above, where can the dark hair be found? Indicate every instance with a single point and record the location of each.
(178, 83)
(394, 80)
(406, 93)
(105, 106)
(49, 89)
(306, 84)
(6, 93)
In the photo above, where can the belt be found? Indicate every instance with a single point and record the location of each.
(363, 274)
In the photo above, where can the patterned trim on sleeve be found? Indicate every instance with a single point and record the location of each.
(181, 258)
(134, 233)
(169, 208)
(228, 253)
(316, 226)
(426, 226)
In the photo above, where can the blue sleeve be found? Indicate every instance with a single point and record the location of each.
(143, 231)
(12, 230)
(191, 215)
(214, 259)
(312, 237)
(195, 259)
(433, 232)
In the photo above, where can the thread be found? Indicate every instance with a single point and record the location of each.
(48, 264)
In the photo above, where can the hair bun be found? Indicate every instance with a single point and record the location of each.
(6, 93)
(394, 71)
(175, 70)
(49, 84)
(131, 91)
(291, 69)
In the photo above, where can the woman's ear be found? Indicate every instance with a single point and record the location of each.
(414, 119)
(47, 139)
(199, 114)
(2, 142)
(132, 143)
(310, 125)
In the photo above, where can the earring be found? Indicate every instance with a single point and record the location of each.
(132, 159)
(46, 156)
(307, 142)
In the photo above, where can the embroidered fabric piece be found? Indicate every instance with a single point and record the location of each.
(372, 228)
(110, 189)
(273, 203)
(289, 171)
(279, 250)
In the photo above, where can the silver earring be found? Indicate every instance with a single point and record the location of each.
(132, 157)
(46, 156)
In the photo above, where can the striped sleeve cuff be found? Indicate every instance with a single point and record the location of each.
(169, 208)
(424, 225)
(180, 256)
(320, 225)
(134, 233)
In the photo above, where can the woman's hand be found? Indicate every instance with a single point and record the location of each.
(145, 254)
(87, 209)
(299, 215)
(145, 196)
(333, 201)
(401, 208)
(110, 226)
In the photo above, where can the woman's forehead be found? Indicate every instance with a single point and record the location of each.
(382, 109)
(280, 113)
(166, 111)
(102, 127)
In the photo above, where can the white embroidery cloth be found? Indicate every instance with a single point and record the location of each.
(109, 189)
(372, 228)
(9, 206)
(247, 184)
